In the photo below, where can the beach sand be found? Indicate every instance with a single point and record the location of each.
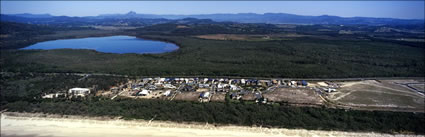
(41, 125)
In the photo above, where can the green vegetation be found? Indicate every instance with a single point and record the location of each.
(301, 57)
(21, 92)
(361, 51)
(367, 51)
(18, 35)
(234, 113)
(196, 27)
(31, 86)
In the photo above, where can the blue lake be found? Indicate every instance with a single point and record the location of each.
(112, 44)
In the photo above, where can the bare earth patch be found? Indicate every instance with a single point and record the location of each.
(384, 94)
(294, 95)
(255, 37)
(219, 97)
(188, 96)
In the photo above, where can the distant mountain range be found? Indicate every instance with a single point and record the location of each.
(79, 21)
(28, 15)
(271, 18)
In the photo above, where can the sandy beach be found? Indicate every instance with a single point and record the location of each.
(41, 125)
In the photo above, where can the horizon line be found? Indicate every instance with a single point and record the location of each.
(216, 13)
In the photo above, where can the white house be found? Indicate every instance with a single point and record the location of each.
(234, 87)
(204, 95)
(162, 79)
(169, 86)
(220, 86)
(53, 95)
(79, 91)
(330, 90)
(293, 83)
(167, 93)
(144, 92)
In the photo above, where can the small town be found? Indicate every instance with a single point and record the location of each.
(209, 89)
(339, 93)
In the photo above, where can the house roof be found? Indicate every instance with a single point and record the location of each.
(79, 89)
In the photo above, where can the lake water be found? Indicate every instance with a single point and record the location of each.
(112, 44)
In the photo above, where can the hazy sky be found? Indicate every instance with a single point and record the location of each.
(392, 9)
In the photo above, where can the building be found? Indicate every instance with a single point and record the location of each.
(54, 95)
(329, 90)
(169, 86)
(204, 85)
(234, 87)
(293, 83)
(304, 83)
(235, 96)
(167, 93)
(204, 95)
(144, 92)
(79, 91)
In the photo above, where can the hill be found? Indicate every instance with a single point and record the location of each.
(277, 18)
(271, 18)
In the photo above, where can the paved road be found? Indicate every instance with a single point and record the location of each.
(233, 77)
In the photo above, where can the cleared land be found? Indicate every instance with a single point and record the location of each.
(251, 37)
(32, 125)
(419, 87)
(384, 94)
(269, 37)
(294, 95)
(188, 96)
(219, 97)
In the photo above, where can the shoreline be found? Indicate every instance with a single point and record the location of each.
(38, 124)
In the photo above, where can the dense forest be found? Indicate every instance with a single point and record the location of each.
(302, 58)
(18, 35)
(233, 113)
(315, 51)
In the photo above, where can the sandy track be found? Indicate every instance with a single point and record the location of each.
(30, 125)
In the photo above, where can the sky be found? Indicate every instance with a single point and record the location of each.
(387, 9)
